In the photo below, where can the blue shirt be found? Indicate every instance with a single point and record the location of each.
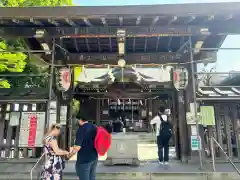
(85, 139)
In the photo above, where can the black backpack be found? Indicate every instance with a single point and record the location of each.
(165, 129)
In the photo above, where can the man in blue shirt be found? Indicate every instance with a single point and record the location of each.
(87, 156)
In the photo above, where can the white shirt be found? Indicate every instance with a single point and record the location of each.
(156, 120)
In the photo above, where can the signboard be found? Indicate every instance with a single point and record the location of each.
(32, 129)
(207, 115)
(14, 118)
(53, 113)
(191, 115)
(63, 115)
(105, 112)
(196, 143)
(193, 130)
(131, 31)
(110, 58)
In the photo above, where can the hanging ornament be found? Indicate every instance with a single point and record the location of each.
(118, 102)
(110, 74)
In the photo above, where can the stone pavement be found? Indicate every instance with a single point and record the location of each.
(146, 152)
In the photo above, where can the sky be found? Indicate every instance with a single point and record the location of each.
(227, 60)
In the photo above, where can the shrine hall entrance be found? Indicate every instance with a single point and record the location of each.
(130, 96)
(128, 102)
(135, 111)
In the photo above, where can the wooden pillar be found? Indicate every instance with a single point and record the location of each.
(210, 135)
(2, 124)
(149, 114)
(61, 138)
(69, 119)
(16, 144)
(218, 129)
(183, 130)
(9, 139)
(176, 124)
(58, 108)
(98, 112)
(227, 127)
(235, 127)
(189, 98)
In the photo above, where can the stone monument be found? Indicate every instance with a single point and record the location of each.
(123, 150)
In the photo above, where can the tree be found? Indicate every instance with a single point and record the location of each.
(206, 79)
(28, 3)
(10, 62)
(20, 62)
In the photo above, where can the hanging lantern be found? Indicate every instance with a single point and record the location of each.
(63, 79)
(180, 78)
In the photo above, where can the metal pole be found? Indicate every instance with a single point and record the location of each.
(183, 46)
(35, 165)
(23, 75)
(229, 159)
(25, 51)
(24, 100)
(194, 98)
(219, 86)
(210, 49)
(219, 99)
(60, 47)
(217, 73)
(50, 82)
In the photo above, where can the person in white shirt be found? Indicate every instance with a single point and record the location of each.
(157, 122)
(162, 144)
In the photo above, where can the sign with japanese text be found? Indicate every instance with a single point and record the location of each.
(196, 143)
(32, 129)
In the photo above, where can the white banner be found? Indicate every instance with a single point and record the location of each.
(162, 74)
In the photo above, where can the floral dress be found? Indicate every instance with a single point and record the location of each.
(54, 164)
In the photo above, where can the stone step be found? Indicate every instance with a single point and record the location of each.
(19, 170)
(139, 176)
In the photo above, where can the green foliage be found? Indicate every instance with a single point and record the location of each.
(75, 111)
(20, 62)
(75, 107)
(10, 62)
(4, 83)
(28, 81)
(27, 3)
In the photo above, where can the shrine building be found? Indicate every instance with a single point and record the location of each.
(123, 61)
